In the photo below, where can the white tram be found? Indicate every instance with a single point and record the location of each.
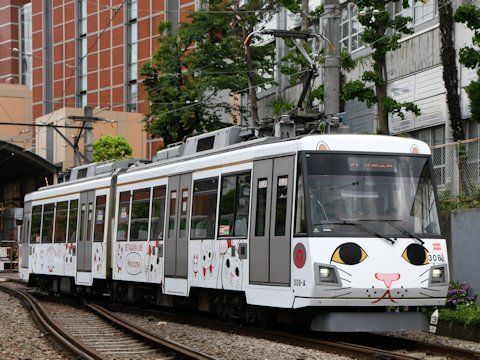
(341, 226)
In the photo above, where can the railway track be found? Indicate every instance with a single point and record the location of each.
(97, 334)
(358, 345)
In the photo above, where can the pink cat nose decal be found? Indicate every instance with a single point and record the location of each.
(387, 278)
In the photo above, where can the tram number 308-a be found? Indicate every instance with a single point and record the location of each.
(299, 282)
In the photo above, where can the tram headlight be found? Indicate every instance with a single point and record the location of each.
(438, 275)
(326, 274)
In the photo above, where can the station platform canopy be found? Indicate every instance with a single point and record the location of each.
(18, 164)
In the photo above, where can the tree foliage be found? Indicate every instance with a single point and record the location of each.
(109, 147)
(381, 32)
(198, 61)
(469, 14)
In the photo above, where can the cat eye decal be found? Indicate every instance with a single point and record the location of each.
(349, 254)
(416, 254)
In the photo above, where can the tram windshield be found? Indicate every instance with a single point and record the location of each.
(391, 195)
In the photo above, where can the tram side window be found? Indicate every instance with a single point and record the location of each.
(99, 229)
(61, 216)
(158, 213)
(72, 221)
(300, 212)
(234, 205)
(183, 214)
(123, 215)
(281, 208)
(140, 215)
(261, 207)
(204, 208)
(47, 223)
(171, 214)
(36, 224)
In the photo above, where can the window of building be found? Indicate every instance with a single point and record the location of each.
(72, 221)
(419, 11)
(132, 55)
(61, 217)
(140, 215)
(25, 53)
(158, 213)
(123, 215)
(99, 227)
(351, 29)
(47, 223)
(204, 208)
(82, 49)
(234, 205)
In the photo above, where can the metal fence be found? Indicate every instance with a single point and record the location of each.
(457, 168)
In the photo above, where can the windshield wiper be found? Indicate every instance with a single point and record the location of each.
(405, 231)
(370, 231)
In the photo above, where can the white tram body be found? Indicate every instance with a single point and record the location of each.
(346, 225)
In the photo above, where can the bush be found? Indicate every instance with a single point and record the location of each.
(466, 315)
(459, 295)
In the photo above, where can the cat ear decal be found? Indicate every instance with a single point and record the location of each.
(349, 254)
(416, 254)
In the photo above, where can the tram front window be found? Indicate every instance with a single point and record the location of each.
(374, 190)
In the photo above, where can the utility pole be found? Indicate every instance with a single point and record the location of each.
(87, 123)
(332, 58)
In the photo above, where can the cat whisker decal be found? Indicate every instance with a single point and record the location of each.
(430, 289)
(424, 273)
(424, 280)
(344, 272)
(430, 296)
(336, 296)
(345, 280)
(338, 289)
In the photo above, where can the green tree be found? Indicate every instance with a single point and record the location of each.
(469, 14)
(201, 60)
(381, 32)
(179, 104)
(109, 147)
(449, 61)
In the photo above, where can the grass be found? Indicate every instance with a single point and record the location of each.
(466, 315)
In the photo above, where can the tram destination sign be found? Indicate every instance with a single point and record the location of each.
(374, 164)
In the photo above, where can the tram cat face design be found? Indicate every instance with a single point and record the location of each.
(119, 261)
(98, 258)
(154, 267)
(371, 270)
(195, 266)
(231, 270)
(208, 259)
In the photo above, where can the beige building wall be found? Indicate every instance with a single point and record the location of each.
(128, 125)
(16, 108)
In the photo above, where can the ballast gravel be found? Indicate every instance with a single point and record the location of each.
(20, 338)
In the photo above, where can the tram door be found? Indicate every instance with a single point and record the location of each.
(271, 221)
(27, 220)
(84, 245)
(176, 241)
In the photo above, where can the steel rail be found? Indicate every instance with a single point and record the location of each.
(179, 349)
(70, 343)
